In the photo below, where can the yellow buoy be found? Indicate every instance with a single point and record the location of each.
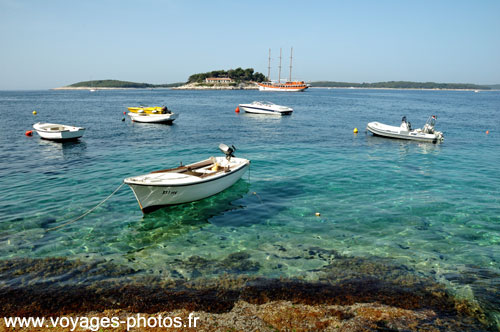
(318, 214)
(34, 112)
(355, 130)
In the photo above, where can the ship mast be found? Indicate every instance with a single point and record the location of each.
(291, 51)
(269, 67)
(279, 72)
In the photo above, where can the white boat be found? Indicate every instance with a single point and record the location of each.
(187, 183)
(58, 132)
(404, 131)
(153, 114)
(153, 118)
(266, 107)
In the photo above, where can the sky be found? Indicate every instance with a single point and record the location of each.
(53, 43)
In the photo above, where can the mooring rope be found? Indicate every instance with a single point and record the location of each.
(253, 193)
(88, 211)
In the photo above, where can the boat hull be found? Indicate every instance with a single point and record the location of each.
(153, 118)
(380, 129)
(260, 110)
(282, 88)
(151, 197)
(58, 132)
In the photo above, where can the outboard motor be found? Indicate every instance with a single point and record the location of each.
(228, 151)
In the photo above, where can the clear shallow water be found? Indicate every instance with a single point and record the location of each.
(435, 208)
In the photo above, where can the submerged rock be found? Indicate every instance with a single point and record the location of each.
(351, 294)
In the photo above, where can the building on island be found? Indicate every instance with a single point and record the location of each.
(218, 80)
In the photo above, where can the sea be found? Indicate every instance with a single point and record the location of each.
(315, 191)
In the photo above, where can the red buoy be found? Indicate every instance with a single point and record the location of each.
(237, 110)
(29, 133)
(124, 112)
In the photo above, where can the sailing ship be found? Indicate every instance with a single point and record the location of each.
(278, 86)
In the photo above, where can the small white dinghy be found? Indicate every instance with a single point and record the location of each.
(188, 183)
(266, 107)
(153, 118)
(58, 132)
(404, 131)
(151, 114)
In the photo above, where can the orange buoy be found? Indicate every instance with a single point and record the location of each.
(237, 110)
(28, 133)
(487, 132)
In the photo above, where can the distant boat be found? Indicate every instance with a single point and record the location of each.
(58, 132)
(153, 114)
(188, 183)
(287, 86)
(266, 107)
(404, 131)
(290, 86)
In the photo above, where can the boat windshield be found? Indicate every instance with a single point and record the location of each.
(429, 125)
(431, 121)
(264, 103)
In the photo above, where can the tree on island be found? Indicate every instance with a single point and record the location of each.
(238, 74)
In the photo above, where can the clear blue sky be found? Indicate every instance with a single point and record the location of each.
(46, 44)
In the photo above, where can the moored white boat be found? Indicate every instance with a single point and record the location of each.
(187, 183)
(151, 114)
(404, 131)
(266, 107)
(153, 118)
(58, 132)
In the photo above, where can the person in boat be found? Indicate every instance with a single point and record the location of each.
(405, 125)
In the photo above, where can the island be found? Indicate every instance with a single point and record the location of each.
(247, 79)
(401, 85)
(232, 79)
(114, 84)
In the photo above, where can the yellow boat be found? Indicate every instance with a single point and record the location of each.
(149, 110)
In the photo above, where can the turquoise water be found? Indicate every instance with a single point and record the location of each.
(434, 208)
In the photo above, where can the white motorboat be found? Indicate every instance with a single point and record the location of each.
(404, 131)
(151, 114)
(58, 132)
(188, 183)
(153, 118)
(265, 107)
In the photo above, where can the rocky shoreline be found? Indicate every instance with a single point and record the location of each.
(200, 86)
(190, 86)
(93, 88)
